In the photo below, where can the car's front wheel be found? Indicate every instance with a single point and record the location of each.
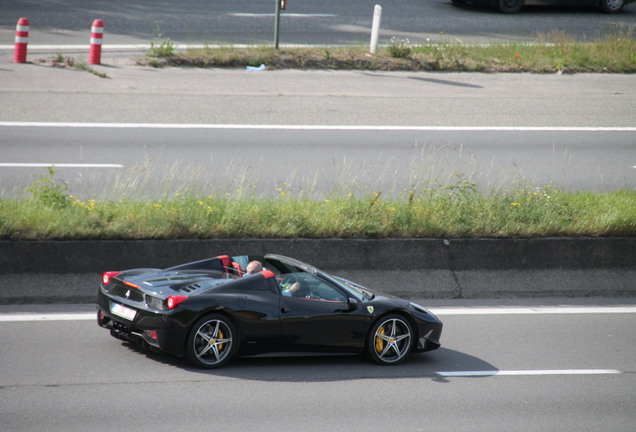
(612, 6)
(390, 340)
(212, 342)
(510, 6)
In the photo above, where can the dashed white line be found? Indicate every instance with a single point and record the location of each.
(27, 317)
(59, 165)
(535, 310)
(488, 373)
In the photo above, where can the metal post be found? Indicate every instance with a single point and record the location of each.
(277, 25)
(375, 28)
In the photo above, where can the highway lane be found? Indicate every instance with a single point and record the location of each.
(559, 371)
(360, 131)
(153, 161)
(134, 94)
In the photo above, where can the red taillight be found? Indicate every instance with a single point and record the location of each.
(173, 301)
(108, 275)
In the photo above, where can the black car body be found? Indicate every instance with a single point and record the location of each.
(208, 311)
(514, 6)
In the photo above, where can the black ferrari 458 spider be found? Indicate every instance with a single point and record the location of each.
(211, 310)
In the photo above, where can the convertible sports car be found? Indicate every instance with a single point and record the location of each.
(211, 310)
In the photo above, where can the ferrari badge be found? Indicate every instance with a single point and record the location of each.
(370, 309)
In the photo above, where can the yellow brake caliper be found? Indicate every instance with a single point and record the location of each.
(379, 342)
(220, 337)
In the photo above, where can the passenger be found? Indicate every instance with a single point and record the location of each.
(253, 267)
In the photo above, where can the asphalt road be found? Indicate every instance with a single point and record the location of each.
(530, 366)
(355, 130)
(155, 162)
(304, 21)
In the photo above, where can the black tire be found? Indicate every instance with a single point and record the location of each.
(612, 6)
(101, 321)
(510, 6)
(212, 342)
(390, 340)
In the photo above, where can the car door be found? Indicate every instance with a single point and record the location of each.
(320, 318)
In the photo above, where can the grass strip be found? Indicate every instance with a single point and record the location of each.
(553, 52)
(451, 211)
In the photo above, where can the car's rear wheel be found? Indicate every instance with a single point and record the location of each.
(612, 6)
(390, 340)
(212, 342)
(510, 6)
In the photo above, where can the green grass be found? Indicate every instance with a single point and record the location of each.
(554, 52)
(455, 210)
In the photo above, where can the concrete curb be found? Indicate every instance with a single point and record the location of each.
(355, 254)
(68, 271)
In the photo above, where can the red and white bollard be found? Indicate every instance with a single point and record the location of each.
(21, 41)
(97, 33)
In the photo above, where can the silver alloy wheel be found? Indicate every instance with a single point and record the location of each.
(212, 342)
(392, 340)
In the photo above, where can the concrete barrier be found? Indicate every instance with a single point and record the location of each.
(68, 271)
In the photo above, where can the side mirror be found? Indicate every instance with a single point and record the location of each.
(352, 304)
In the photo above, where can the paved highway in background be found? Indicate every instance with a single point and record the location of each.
(311, 131)
(157, 160)
(304, 21)
(525, 366)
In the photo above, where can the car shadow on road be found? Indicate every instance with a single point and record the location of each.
(324, 368)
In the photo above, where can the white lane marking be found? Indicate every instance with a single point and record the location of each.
(528, 372)
(25, 317)
(138, 47)
(58, 165)
(535, 310)
(316, 127)
(80, 316)
(283, 14)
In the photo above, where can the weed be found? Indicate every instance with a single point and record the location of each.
(50, 191)
(83, 66)
(399, 47)
(69, 62)
(165, 48)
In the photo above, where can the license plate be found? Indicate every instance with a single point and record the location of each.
(123, 311)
